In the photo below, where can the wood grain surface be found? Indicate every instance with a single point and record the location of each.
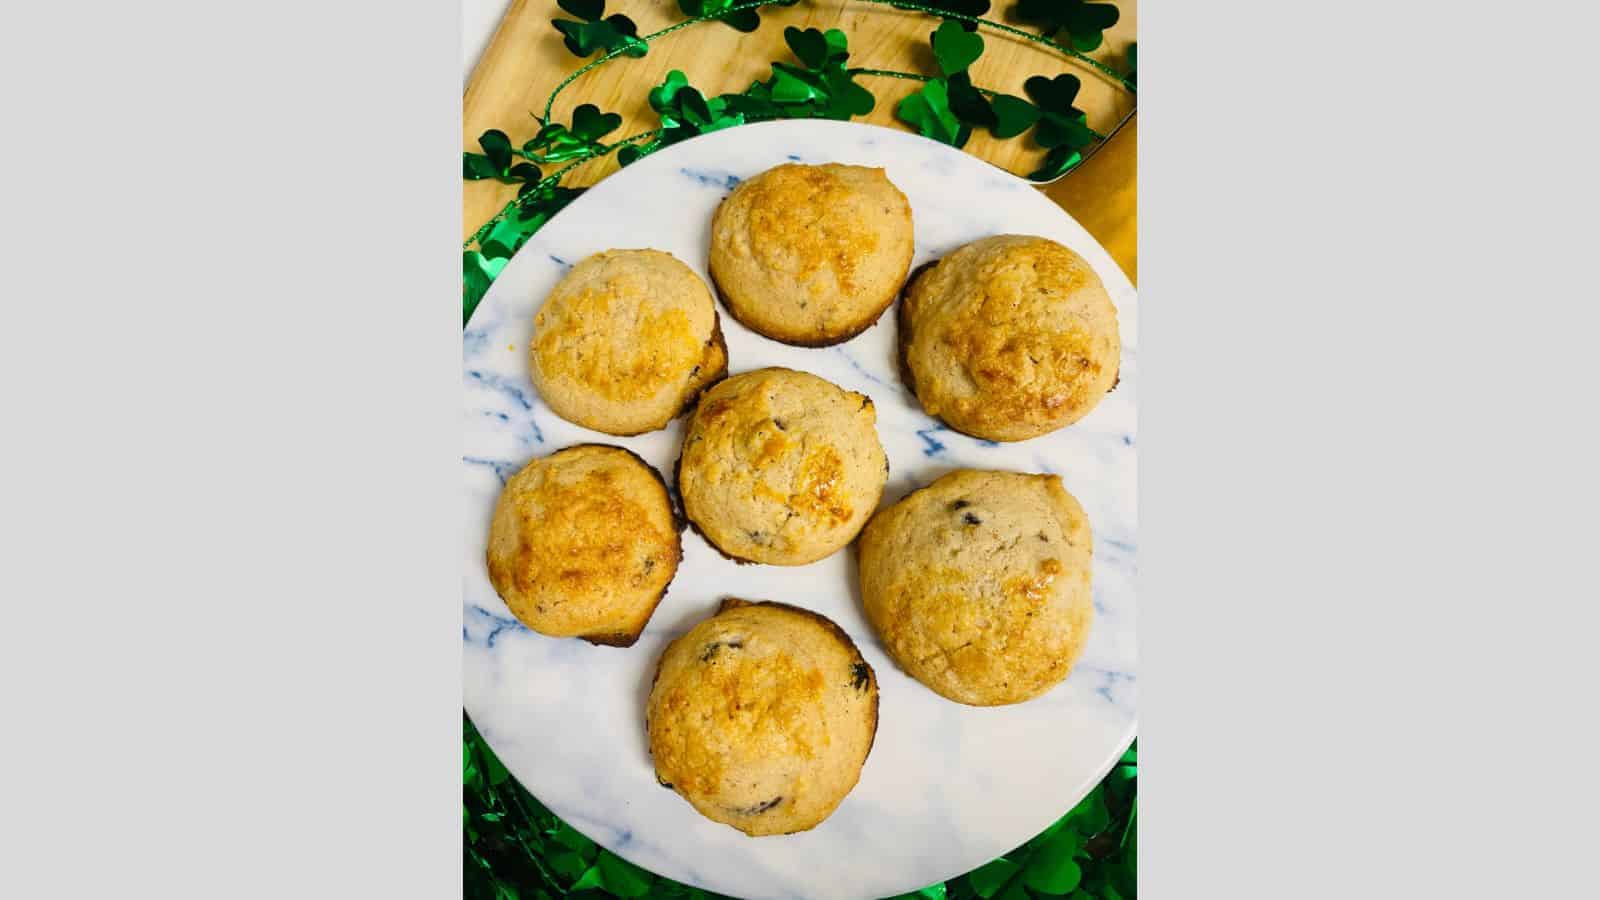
(526, 60)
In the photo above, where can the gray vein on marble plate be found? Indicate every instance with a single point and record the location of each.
(474, 341)
(494, 623)
(875, 379)
(722, 180)
(503, 385)
(508, 389)
(502, 470)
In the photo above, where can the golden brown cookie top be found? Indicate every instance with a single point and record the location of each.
(979, 584)
(583, 544)
(1009, 337)
(625, 340)
(781, 466)
(762, 716)
(811, 255)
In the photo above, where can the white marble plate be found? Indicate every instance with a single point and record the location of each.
(947, 787)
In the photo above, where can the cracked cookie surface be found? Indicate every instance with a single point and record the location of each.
(780, 466)
(762, 717)
(978, 584)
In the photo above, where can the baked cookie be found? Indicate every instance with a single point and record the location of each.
(1009, 337)
(762, 717)
(978, 584)
(811, 255)
(583, 544)
(626, 341)
(780, 466)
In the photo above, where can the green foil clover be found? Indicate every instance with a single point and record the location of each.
(596, 32)
(1063, 128)
(820, 88)
(955, 49)
(556, 142)
(948, 108)
(1084, 22)
(685, 112)
(945, 109)
(746, 20)
(537, 202)
(928, 111)
(496, 161)
(1013, 116)
(477, 273)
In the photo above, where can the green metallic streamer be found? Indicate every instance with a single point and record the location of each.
(515, 848)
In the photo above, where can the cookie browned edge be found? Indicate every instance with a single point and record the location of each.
(842, 337)
(622, 638)
(861, 589)
(903, 327)
(730, 603)
(717, 340)
(903, 345)
(677, 477)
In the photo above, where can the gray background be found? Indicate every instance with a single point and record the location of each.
(231, 395)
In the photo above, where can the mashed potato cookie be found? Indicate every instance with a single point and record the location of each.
(978, 584)
(583, 544)
(811, 255)
(1009, 337)
(762, 717)
(626, 341)
(780, 466)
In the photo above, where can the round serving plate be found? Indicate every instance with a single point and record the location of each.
(947, 787)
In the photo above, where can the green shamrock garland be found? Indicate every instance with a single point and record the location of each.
(746, 20)
(932, 110)
(556, 142)
(514, 847)
(821, 88)
(1084, 22)
(946, 108)
(594, 33)
(1062, 128)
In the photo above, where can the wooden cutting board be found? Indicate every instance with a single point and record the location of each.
(526, 60)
